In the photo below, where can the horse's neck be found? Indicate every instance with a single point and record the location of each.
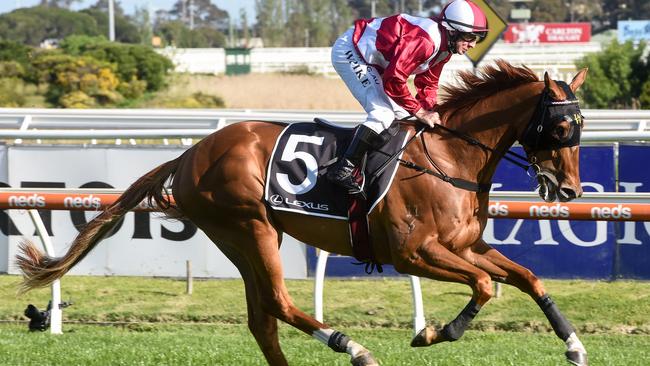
(496, 124)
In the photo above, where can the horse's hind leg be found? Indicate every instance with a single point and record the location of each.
(259, 248)
(262, 325)
(504, 270)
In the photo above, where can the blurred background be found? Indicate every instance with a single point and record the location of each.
(207, 54)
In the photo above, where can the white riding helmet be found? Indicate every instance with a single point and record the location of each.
(464, 16)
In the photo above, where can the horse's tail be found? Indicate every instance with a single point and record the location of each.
(40, 270)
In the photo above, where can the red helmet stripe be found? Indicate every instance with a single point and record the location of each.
(480, 22)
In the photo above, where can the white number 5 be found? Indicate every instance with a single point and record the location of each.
(290, 154)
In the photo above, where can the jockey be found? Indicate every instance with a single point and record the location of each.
(375, 58)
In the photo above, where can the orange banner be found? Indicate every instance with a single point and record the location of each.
(497, 209)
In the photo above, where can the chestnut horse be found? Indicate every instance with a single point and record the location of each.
(424, 226)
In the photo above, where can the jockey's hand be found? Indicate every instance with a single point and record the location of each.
(428, 118)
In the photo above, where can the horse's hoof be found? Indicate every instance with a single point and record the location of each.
(364, 359)
(577, 358)
(426, 337)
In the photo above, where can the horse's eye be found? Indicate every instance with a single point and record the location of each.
(562, 131)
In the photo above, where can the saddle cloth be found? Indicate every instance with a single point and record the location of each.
(295, 179)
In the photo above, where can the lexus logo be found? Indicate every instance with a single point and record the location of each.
(276, 199)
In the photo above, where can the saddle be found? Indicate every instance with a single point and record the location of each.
(296, 181)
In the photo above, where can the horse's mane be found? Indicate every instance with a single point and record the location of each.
(487, 81)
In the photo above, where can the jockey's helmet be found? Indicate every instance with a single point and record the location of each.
(463, 19)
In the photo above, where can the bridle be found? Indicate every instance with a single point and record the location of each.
(537, 136)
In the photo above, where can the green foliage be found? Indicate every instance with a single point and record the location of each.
(77, 82)
(77, 44)
(132, 89)
(313, 23)
(30, 26)
(132, 61)
(125, 30)
(644, 98)
(11, 69)
(176, 34)
(15, 52)
(616, 76)
(12, 92)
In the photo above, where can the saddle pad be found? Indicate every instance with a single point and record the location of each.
(295, 179)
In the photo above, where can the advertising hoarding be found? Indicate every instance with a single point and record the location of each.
(144, 244)
(536, 33)
(633, 30)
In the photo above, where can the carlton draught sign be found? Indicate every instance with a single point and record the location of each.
(536, 33)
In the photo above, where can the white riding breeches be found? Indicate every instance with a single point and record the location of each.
(365, 83)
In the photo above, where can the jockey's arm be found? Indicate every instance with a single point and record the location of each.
(406, 58)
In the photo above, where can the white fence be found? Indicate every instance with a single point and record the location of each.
(558, 59)
(25, 123)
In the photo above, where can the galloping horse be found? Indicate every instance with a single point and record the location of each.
(423, 226)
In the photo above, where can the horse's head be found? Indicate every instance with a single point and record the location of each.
(552, 138)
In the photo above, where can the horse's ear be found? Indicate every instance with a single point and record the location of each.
(554, 90)
(578, 80)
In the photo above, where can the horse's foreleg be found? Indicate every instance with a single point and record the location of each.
(437, 262)
(507, 271)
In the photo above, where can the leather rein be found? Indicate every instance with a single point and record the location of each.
(439, 173)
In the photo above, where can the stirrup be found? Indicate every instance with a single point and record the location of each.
(346, 175)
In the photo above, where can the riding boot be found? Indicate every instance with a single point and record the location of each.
(347, 171)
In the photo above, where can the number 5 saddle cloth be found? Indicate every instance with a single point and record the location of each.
(295, 179)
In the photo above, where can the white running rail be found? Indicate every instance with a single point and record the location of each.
(601, 125)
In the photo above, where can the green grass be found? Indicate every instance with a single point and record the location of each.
(161, 325)
(232, 345)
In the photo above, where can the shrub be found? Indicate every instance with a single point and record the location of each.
(11, 69)
(78, 44)
(77, 99)
(132, 89)
(132, 61)
(15, 52)
(68, 74)
(12, 92)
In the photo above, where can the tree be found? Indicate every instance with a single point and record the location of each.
(271, 22)
(176, 34)
(65, 4)
(617, 76)
(202, 13)
(126, 30)
(31, 26)
(548, 11)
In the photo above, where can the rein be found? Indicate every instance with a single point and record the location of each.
(439, 173)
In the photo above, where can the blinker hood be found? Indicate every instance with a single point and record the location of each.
(548, 114)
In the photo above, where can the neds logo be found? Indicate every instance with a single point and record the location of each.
(82, 202)
(556, 210)
(497, 209)
(618, 212)
(27, 201)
